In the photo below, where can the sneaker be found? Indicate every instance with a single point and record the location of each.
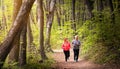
(76, 60)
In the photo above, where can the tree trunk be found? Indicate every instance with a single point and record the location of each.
(50, 17)
(4, 20)
(99, 5)
(23, 45)
(78, 16)
(58, 12)
(41, 22)
(14, 53)
(111, 11)
(73, 15)
(6, 46)
(62, 12)
(58, 17)
(83, 11)
(89, 4)
(30, 35)
(118, 6)
(100, 9)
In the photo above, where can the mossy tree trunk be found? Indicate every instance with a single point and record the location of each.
(14, 53)
(23, 45)
(41, 27)
(6, 46)
(50, 7)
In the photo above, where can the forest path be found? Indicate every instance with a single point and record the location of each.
(71, 64)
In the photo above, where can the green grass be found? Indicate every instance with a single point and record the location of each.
(47, 64)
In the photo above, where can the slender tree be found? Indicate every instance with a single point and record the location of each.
(14, 54)
(100, 8)
(78, 11)
(73, 15)
(58, 17)
(89, 4)
(41, 22)
(23, 45)
(58, 10)
(6, 46)
(118, 5)
(62, 12)
(99, 5)
(29, 34)
(82, 11)
(4, 20)
(50, 15)
(111, 11)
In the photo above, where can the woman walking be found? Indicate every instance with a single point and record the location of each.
(66, 49)
(76, 45)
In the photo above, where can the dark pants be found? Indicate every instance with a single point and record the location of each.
(76, 54)
(67, 55)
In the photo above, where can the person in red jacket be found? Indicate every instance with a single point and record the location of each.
(66, 48)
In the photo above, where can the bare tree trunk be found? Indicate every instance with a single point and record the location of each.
(50, 17)
(89, 4)
(83, 11)
(14, 53)
(99, 5)
(100, 8)
(6, 46)
(58, 17)
(62, 12)
(4, 20)
(23, 46)
(73, 15)
(58, 12)
(111, 11)
(41, 22)
(78, 16)
(30, 35)
(118, 6)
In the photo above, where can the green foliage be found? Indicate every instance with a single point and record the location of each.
(47, 64)
(33, 59)
(2, 36)
(6, 19)
(59, 33)
(101, 39)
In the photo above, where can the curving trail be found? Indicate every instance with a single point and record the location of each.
(81, 64)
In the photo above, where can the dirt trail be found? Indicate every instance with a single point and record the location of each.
(70, 64)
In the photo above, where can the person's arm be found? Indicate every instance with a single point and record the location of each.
(73, 43)
(69, 46)
(62, 46)
(79, 43)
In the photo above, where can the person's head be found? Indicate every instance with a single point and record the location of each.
(65, 39)
(76, 37)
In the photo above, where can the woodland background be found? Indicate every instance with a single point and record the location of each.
(29, 33)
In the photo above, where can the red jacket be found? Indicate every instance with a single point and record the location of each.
(66, 46)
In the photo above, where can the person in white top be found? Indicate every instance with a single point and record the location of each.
(76, 46)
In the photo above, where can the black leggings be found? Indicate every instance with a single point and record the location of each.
(76, 54)
(67, 55)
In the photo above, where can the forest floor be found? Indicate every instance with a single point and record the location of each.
(71, 64)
